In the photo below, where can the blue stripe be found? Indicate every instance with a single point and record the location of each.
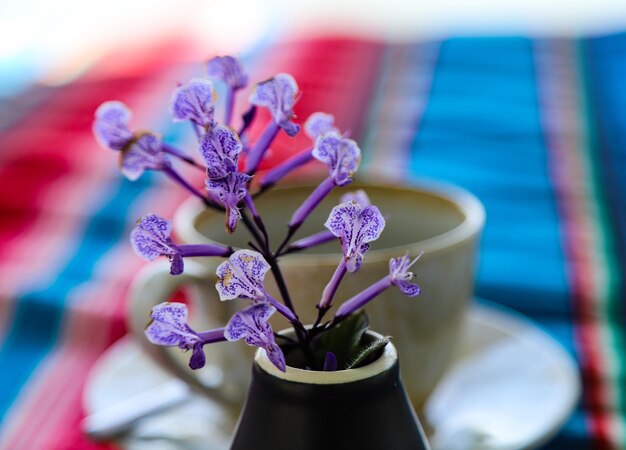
(481, 130)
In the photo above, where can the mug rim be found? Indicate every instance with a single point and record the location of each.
(386, 360)
(468, 204)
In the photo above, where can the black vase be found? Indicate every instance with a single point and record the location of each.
(364, 408)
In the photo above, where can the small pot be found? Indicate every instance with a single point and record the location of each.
(363, 408)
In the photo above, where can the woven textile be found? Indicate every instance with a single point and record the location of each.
(534, 128)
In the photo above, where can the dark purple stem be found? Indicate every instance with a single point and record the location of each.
(230, 103)
(314, 199)
(167, 148)
(180, 180)
(288, 313)
(356, 302)
(256, 153)
(331, 288)
(247, 119)
(311, 241)
(278, 172)
(211, 336)
(205, 250)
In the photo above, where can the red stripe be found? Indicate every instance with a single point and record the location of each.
(556, 82)
(335, 75)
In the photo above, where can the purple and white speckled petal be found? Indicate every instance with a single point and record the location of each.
(144, 153)
(319, 123)
(228, 70)
(359, 196)
(251, 325)
(341, 155)
(229, 190)
(194, 101)
(278, 95)
(169, 326)
(242, 276)
(110, 126)
(400, 275)
(220, 150)
(369, 224)
(151, 237)
(341, 219)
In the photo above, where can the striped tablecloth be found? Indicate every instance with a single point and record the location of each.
(535, 128)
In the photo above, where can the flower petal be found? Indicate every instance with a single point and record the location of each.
(194, 101)
(220, 150)
(319, 123)
(278, 95)
(341, 155)
(251, 325)
(151, 237)
(169, 326)
(111, 125)
(144, 153)
(178, 265)
(407, 288)
(198, 358)
(229, 190)
(359, 196)
(401, 276)
(355, 226)
(242, 276)
(228, 70)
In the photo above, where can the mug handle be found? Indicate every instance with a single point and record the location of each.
(153, 285)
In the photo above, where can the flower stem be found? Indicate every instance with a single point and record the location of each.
(360, 299)
(230, 102)
(167, 148)
(170, 172)
(256, 153)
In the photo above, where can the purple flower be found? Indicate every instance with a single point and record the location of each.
(220, 149)
(251, 325)
(279, 95)
(400, 275)
(359, 196)
(355, 226)
(194, 101)
(228, 70)
(144, 152)
(319, 123)
(230, 190)
(111, 125)
(242, 276)
(169, 328)
(341, 155)
(151, 238)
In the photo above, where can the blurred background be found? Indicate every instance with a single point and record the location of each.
(520, 102)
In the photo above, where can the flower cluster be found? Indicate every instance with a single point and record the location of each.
(230, 164)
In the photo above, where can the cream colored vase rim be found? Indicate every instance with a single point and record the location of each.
(386, 361)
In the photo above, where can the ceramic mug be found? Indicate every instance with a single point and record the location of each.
(441, 220)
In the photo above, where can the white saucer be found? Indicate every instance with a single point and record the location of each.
(511, 387)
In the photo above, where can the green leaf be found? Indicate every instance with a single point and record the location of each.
(344, 340)
(369, 353)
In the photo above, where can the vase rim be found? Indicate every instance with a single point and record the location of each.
(386, 360)
(466, 203)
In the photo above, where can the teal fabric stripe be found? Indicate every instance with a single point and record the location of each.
(37, 322)
(481, 130)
